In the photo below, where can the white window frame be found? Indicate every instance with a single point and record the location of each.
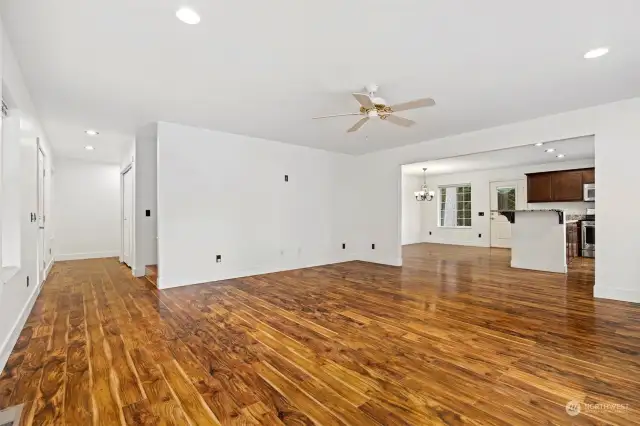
(461, 185)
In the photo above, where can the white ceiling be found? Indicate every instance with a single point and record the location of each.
(573, 149)
(264, 68)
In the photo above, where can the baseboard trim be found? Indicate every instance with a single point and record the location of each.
(249, 273)
(10, 341)
(48, 268)
(620, 294)
(139, 272)
(82, 256)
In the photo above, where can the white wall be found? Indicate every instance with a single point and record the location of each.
(87, 209)
(616, 136)
(16, 298)
(145, 198)
(225, 194)
(480, 202)
(617, 175)
(411, 209)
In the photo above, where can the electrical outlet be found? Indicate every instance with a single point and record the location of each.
(479, 235)
(218, 258)
(286, 178)
(480, 213)
(147, 213)
(344, 246)
(429, 232)
(373, 246)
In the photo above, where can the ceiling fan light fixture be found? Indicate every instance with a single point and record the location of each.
(373, 106)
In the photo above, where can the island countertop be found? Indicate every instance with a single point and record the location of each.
(511, 214)
(538, 239)
(530, 210)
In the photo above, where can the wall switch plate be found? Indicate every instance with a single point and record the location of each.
(480, 213)
(218, 258)
(147, 213)
(286, 178)
(479, 235)
(429, 232)
(344, 246)
(373, 246)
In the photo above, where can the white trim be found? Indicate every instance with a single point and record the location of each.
(139, 272)
(48, 268)
(127, 169)
(623, 294)
(255, 271)
(94, 255)
(10, 342)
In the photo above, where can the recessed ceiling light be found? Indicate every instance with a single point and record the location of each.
(539, 144)
(560, 155)
(549, 150)
(91, 132)
(188, 16)
(89, 148)
(596, 53)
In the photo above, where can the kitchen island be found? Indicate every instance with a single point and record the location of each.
(538, 239)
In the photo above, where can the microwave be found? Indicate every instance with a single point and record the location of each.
(589, 192)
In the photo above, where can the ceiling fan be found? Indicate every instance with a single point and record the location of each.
(372, 106)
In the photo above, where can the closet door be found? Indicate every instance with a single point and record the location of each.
(29, 219)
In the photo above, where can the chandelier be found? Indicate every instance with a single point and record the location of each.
(425, 193)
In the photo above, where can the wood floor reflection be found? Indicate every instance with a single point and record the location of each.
(453, 337)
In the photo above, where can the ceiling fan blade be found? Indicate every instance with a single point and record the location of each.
(336, 115)
(364, 100)
(400, 121)
(418, 103)
(358, 125)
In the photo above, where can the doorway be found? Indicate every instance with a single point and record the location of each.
(127, 217)
(505, 195)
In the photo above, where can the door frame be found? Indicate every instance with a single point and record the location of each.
(519, 200)
(40, 206)
(128, 169)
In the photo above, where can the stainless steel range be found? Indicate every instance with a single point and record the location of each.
(588, 227)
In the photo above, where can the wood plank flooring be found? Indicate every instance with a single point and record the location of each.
(453, 337)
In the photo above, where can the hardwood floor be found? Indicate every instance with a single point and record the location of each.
(453, 337)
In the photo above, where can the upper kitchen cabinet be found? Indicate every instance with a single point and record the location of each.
(562, 185)
(588, 176)
(539, 188)
(567, 186)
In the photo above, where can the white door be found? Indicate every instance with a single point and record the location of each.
(127, 217)
(29, 220)
(41, 217)
(506, 195)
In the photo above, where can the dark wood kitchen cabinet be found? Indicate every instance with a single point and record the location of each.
(561, 185)
(567, 186)
(539, 188)
(588, 176)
